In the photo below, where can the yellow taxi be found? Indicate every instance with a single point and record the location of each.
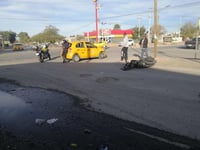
(84, 50)
(102, 44)
(18, 46)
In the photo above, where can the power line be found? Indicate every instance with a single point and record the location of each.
(186, 5)
(79, 28)
(145, 12)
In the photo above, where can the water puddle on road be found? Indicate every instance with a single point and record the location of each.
(11, 106)
(21, 109)
(12, 110)
(10, 101)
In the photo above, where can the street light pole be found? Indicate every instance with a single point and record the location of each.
(96, 15)
(155, 29)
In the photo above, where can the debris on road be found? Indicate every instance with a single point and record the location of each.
(51, 121)
(87, 131)
(39, 121)
(103, 147)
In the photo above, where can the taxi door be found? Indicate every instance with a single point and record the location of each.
(92, 50)
(82, 50)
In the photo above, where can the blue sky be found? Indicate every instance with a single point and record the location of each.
(73, 17)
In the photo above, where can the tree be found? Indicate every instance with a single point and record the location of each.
(50, 34)
(117, 26)
(8, 36)
(138, 32)
(189, 30)
(23, 37)
(12, 37)
(161, 30)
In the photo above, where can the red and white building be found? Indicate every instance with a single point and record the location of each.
(114, 35)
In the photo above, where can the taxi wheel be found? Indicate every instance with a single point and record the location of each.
(101, 55)
(76, 58)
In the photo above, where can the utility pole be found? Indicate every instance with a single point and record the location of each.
(96, 15)
(155, 29)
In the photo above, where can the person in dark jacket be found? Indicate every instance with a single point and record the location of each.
(65, 46)
(144, 46)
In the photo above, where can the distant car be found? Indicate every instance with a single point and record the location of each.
(18, 46)
(85, 50)
(191, 43)
(130, 42)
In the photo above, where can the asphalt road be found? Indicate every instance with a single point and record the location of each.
(166, 96)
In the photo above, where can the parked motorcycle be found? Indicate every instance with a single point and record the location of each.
(42, 53)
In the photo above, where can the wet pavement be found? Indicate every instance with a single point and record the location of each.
(24, 112)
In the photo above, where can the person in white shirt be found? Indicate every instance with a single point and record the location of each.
(124, 50)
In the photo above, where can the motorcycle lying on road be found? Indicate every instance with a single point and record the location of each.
(42, 53)
(141, 63)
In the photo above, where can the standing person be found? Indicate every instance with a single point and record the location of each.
(124, 50)
(65, 46)
(144, 46)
